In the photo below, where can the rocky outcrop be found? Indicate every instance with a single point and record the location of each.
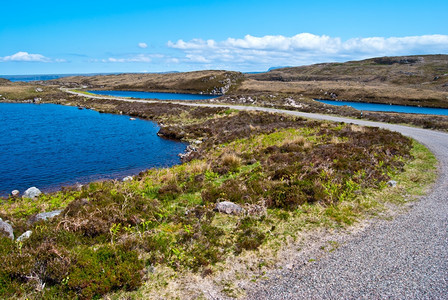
(190, 153)
(6, 229)
(32, 193)
(171, 132)
(226, 84)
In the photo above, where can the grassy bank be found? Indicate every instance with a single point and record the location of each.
(287, 174)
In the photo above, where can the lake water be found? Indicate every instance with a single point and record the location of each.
(49, 146)
(389, 108)
(152, 95)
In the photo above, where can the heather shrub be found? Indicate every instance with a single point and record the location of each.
(95, 272)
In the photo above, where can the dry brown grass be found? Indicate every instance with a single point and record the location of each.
(334, 140)
(198, 166)
(167, 175)
(298, 140)
(357, 128)
(231, 159)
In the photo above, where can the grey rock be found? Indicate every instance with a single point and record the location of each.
(15, 193)
(44, 216)
(392, 183)
(6, 229)
(26, 235)
(39, 90)
(32, 193)
(229, 208)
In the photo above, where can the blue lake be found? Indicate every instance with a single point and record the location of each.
(389, 108)
(152, 95)
(49, 146)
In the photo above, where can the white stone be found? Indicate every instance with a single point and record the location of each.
(128, 178)
(32, 193)
(24, 236)
(392, 183)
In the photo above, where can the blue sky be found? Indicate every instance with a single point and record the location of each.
(46, 37)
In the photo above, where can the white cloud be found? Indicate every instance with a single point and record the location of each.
(27, 57)
(173, 60)
(142, 45)
(303, 48)
(134, 58)
(197, 58)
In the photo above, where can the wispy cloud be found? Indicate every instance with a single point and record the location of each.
(139, 58)
(28, 57)
(303, 48)
(142, 45)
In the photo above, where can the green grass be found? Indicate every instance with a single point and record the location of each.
(87, 93)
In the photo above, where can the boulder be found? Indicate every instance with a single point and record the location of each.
(26, 235)
(6, 229)
(32, 193)
(44, 216)
(228, 207)
(15, 193)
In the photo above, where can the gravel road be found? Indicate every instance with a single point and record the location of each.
(405, 258)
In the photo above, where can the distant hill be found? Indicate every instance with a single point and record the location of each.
(419, 80)
(209, 82)
(429, 70)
